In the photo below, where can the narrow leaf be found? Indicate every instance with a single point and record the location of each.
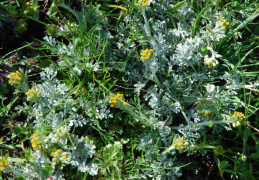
(254, 156)
(119, 7)
(243, 24)
(243, 58)
(130, 4)
(196, 24)
(176, 7)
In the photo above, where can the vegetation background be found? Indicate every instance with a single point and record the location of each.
(130, 89)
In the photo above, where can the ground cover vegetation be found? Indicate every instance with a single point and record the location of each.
(134, 89)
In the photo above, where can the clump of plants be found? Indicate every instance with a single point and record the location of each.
(164, 91)
(18, 13)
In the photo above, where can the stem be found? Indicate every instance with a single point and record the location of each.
(246, 105)
(201, 124)
(146, 22)
(156, 79)
(135, 115)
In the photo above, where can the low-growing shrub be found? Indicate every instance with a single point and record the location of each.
(140, 98)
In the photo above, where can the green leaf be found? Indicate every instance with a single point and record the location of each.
(44, 63)
(4, 146)
(119, 130)
(106, 81)
(125, 79)
(176, 7)
(210, 124)
(223, 165)
(18, 130)
(228, 171)
(5, 109)
(130, 4)
(20, 178)
(254, 156)
(118, 117)
(119, 7)
(196, 26)
(242, 59)
(203, 50)
(47, 171)
(243, 24)
(16, 160)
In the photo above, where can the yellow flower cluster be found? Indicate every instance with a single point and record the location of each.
(3, 164)
(64, 156)
(114, 99)
(61, 132)
(144, 3)
(15, 78)
(211, 62)
(57, 155)
(205, 108)
(31, 93)
(225, 23)
(35, 141)
(179, 144)
(145, 55)
(218, 150)
(237, 119)
(206, 114)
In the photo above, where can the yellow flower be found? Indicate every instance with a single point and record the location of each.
(119, 95)
(59, 151)
(61, 131)
(15, 78)
(146, 54)
(64, 156)
(35, 141)
(206, 109)
(57, 155)
(31, 93)
(144, 3)
(3, 164)
(179, 144)
(211, 62)
(225, 23)
(114, 99)
(237, 119)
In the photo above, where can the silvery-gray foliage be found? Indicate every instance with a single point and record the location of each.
(169, 85)
(173, 80)
(82, 151)
(56, 107)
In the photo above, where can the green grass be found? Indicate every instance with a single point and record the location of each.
(95, 52)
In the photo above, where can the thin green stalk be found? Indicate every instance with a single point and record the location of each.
(244, 92)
